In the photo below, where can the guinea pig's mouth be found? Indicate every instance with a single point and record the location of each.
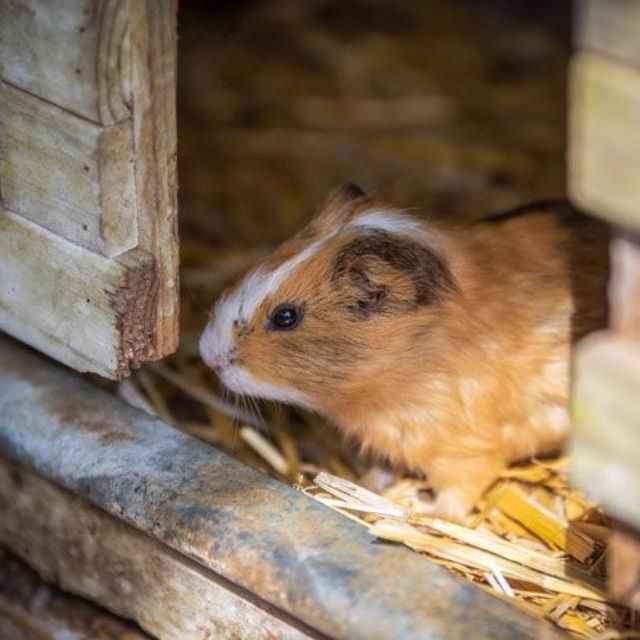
(239, 380)
(219, 352)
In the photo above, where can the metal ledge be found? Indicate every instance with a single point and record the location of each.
(259, 534)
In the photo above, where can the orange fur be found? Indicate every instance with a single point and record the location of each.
(463, 384)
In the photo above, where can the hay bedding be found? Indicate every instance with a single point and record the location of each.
(532, 540)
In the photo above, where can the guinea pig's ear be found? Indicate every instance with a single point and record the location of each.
(339, 208)
(346, 193)
(378, 273)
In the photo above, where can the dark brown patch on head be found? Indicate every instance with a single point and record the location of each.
(386, 274)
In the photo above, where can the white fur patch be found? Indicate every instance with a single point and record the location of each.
(217, 339)
(389, 221)
(240, 381)
(261, 284)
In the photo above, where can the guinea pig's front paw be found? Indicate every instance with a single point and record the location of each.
(449, 504)
(459, 484)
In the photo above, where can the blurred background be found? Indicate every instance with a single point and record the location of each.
(454, 107)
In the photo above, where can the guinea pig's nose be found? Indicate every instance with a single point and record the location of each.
(217, 362)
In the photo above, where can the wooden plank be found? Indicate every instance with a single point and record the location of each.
(251, 530)
(78, 54)
(75, 305)
(604, 138)
(606, 442)
(154, 55)
(90, 553)
(71, 176)
(624, 287)
(30, 608)
(609, 27)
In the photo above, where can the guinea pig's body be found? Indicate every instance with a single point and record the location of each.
(442, 349)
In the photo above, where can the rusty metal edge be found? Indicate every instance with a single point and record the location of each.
(248, 528)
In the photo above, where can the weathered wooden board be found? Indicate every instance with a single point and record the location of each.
(88, 153)
(154, 55)
(31, 609)
(73, 53)
(610, 27)
(604, 138)
(87, 552)
(71, 176)
(624, 287)
(74, 305)
(251, 530)
(606, 442)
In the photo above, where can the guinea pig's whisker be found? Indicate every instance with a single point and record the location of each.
(236, 408)
(254, 408)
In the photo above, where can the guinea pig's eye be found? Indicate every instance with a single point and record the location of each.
(285, 317)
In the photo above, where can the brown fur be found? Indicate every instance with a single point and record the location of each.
(448, 357)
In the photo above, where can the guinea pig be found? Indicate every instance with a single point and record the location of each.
(442, 348)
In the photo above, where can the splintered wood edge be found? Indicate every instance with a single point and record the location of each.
(134, 303)
(89, 553)
(146, 303)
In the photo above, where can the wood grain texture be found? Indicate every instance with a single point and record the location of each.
(73, 53)
(32, 609)
(89, 553)
(71, 176)
(604, 138)
(606, 441)
(92, 161)
(154, 84)
(610, 27)
(75, 305)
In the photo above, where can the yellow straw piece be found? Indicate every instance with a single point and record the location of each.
(544, 524)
